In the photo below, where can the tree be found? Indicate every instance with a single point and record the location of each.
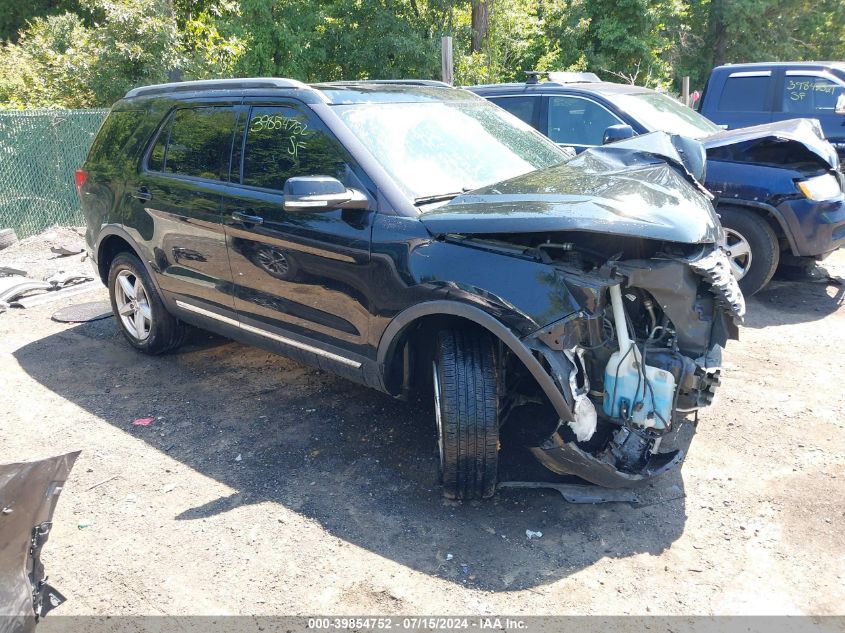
(480, 23)
(59, 60)
(15, 14)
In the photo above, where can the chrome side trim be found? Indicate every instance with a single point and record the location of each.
(281, 339)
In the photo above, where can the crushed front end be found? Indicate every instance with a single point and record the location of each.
(642, 355)
(637, 303)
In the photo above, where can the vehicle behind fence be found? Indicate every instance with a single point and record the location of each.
(39, 152)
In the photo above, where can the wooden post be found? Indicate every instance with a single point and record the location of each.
(446, 59)
(685, 90)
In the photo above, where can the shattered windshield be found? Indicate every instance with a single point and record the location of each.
(435, 151)
(661, 113)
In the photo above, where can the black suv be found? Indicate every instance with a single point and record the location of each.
(411, 235)
(779, 194)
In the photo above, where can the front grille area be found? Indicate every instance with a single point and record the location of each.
(716, 271)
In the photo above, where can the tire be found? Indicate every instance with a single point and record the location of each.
(156, 331)
(7, 238)
(747, 231)
(467, 413)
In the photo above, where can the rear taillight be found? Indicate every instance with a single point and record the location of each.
(81, 177)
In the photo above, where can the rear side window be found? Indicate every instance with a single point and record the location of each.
(282, 142)
(576, 121)
(745, 93)
(112, 144)
(810, 95)
(195, 142)
(524, 108)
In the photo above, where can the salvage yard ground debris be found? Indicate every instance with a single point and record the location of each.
(338, 511)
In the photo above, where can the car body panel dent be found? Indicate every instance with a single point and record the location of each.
(804, 135)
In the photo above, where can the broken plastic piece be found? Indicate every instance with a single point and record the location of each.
(531, 534)
(8, 270)
(64, 251)
(143, 421)
(13, 287)
(577, 493)
(60, 280)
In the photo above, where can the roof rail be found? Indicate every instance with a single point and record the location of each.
(399, 82)
(215, 84)
(561, 77)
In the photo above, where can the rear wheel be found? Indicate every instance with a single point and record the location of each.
(752, 248)
(139, 311)
(467, 413)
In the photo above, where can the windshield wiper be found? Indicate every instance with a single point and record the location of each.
(437, 198)
(440, 196)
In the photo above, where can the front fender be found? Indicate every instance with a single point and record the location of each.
(400, 324)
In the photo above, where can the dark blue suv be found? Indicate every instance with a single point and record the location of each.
(738, 95)
(779, 192)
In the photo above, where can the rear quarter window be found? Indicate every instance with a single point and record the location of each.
(745, 93)
(113, 147)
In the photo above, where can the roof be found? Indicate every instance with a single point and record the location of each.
(214, 84)
(341, 92)
(782, 65)
(601, 87)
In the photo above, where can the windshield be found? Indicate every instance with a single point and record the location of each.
(661, 113)
(436, 150)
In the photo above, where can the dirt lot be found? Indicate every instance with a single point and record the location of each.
(266, 487)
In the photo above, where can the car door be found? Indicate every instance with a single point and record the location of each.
(577, 122)
(299, 276)
(176, 204)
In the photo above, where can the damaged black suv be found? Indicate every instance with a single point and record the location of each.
(408, 235)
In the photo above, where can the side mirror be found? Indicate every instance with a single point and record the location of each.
(617, 133)
(840, 104)
(313, 193)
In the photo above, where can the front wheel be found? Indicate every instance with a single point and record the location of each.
(466, 403)
(751, 246)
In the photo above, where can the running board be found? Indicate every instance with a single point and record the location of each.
(270, 335)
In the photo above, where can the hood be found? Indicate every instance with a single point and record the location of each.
(801, 139)
(28, 495)
(611, 189)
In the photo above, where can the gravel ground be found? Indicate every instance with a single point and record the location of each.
(266, 487)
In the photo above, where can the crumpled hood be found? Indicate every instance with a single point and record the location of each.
(613, 190)
(806, 134)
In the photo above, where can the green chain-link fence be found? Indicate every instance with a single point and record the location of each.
(39, 152)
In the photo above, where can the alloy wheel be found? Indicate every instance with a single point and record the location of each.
(133, 305)
(738, 251)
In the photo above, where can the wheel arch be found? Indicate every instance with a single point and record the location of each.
(114, 240)
(429, 317)
(771, 214)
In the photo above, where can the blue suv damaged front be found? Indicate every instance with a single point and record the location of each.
(789, 169)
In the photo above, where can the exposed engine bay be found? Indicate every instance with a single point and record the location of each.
(640, 356)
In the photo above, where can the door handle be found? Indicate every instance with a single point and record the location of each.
(246, 218)
(141, 193)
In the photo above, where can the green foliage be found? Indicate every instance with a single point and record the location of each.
(83, 53)
(14, 14)
(60, 61)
